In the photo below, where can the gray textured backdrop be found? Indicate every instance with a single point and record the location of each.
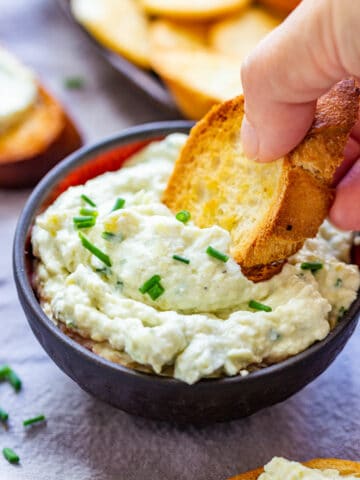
(85, 439)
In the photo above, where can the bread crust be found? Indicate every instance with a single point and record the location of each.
(186, 72)
(193, 11)
(121, 26)
(29, 149)
(345, 467)
(303, 193)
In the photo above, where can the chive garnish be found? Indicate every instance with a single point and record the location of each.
(150, 283)
(120, 202)
(14, 380)
(84, 225)
(3, 415)
(338, 282)
(8, 374)
(108, 236)
(85, 221)
(183, 216)
(153, 287)
(259, 306)
(74, 83)
(94, 250)
(181, 259)
(10, 455)
(88, 212)
(341, 313)
(88, 200)
(155, 291)
(31, 421)
(4, 371)
(216, 254)
(312, 266)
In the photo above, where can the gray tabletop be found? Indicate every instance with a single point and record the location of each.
(84, 438)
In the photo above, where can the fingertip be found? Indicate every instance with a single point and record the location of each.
(249, 139)
(253, 149)
(345, 213)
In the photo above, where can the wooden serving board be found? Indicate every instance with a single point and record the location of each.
(145, 81)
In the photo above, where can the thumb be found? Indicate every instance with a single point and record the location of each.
(316, 46)
(343, 214)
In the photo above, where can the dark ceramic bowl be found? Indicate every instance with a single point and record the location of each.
(140, 393)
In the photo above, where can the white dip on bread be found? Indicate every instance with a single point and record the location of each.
(280, 469)
(194, 316)
(18, 89)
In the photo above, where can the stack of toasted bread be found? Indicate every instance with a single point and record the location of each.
(195, 46)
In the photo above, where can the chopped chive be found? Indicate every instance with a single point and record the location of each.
(120, 202)
(87, 218)
(31, 421)
(94, 250)
(3, 415)
(84, 225)
(74, 83)
(155, 291)
(183, 216)
(8, 374)
(10, 455)
(150, 283)
(338, 282)
(88, 200)
(342, 311)
(4, 371)
(84, 222)
(14, 380)
(102, 270)
(88, 212)
(259, 306)
(108, 236)
(312, 266)
(216, 254)
(181, 259)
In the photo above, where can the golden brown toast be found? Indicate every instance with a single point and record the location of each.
(344, 467)
(30, 148)
(193, 10)
(269, 209)
(237, 36)
(121, 26)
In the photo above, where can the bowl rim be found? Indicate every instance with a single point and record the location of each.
(147, 131)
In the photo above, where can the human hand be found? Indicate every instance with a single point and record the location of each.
(315, 47)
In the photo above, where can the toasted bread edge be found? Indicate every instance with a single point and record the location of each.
(345, 467)
(307, 173)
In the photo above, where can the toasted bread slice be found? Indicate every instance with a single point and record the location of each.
(237, 36)
(170, 35)
(269, 209)
(179, 54)
(344, 467)
(120, 25)
(199, 10)
(198, 78)
(31, 147)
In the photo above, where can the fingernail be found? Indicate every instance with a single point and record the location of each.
(249, 139)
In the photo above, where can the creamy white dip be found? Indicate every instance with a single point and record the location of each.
(18, 89)
(202, 323)
(281, 469)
